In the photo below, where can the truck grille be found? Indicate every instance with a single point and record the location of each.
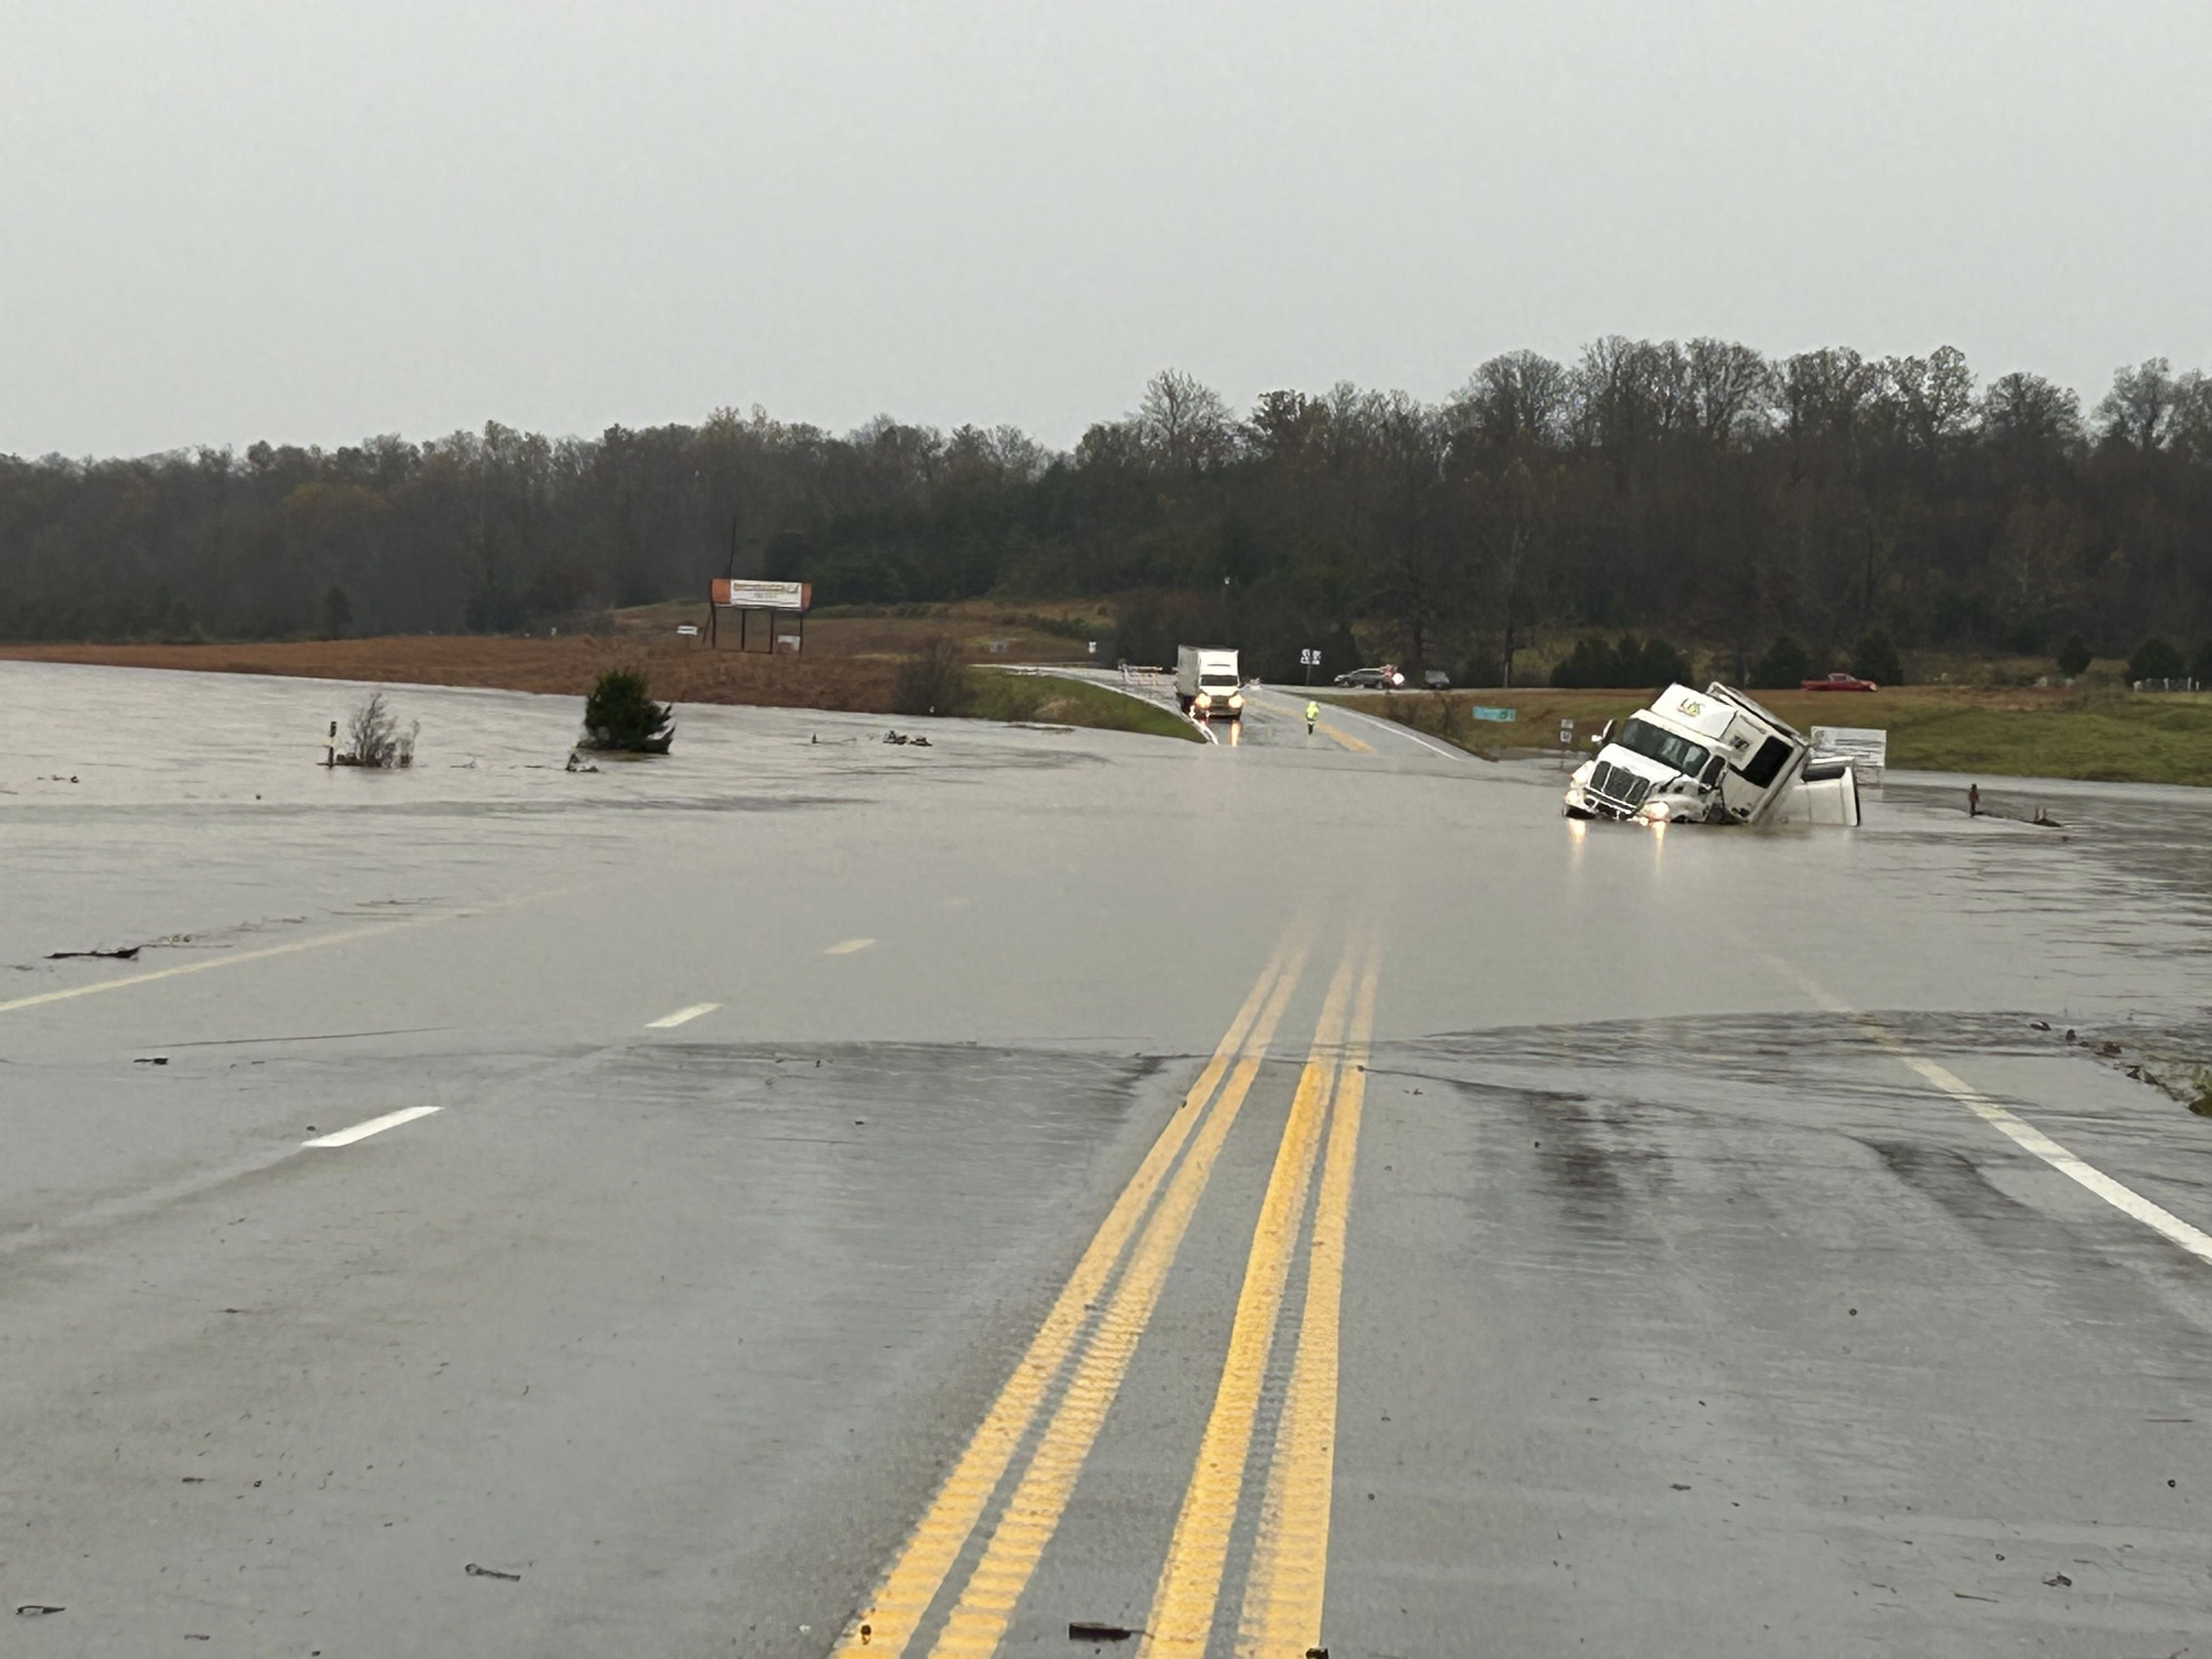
(1619, 787)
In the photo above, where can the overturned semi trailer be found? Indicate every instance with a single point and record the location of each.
(1711, 757)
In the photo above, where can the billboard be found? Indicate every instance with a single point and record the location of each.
(738, 593)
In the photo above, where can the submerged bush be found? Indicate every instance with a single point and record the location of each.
(621, 715)
(373, 736)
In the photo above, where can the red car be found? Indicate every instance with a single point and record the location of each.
(1839, 682)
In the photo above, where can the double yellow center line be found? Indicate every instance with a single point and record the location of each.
(1282, 1609)
(1285, 1586)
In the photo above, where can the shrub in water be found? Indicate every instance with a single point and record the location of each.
(373, 736)
(620, 715)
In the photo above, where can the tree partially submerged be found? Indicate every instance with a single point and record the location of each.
(374, 737)
(621, 715)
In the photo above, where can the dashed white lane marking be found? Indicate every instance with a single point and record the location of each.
(2021, 1133)
(373, 1126)
(846, 947)
(681, 1015)
(2122, 1198)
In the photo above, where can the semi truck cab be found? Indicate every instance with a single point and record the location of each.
(1711, 756)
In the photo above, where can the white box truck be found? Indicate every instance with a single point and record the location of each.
(1207, 685)
(1711, 756)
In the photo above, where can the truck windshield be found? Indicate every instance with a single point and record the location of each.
(1217, 679)
(1662, 746)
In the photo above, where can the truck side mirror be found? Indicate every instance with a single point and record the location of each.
(1604, 735)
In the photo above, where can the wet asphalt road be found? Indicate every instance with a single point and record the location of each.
(966, 1267)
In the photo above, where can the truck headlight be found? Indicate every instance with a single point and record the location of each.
(1236, 699)
(1655, 811)
(1205, 700)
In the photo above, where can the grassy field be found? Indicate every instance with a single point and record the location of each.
(2110, 736)
(1046, 699)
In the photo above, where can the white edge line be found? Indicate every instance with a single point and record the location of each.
(2120, 1197)
(375, 1126)
(681, 1015)
(2021, 1133)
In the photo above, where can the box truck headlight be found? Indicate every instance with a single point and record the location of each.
(1236, 699)
(1655, 811)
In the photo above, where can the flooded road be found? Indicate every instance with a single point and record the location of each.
(1302, 1193)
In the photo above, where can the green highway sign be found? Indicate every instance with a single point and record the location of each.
(1492, 714)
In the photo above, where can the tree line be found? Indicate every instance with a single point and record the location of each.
(1698, 492)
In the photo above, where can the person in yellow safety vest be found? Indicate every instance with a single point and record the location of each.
(1313, 713)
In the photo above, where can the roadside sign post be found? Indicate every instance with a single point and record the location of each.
(1566, 734)
(1309, 659)
(791, 599)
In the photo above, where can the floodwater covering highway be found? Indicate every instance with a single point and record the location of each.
(808, 1195)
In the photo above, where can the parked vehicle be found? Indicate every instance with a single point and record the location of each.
(1711, 757)
(1839, 680)
(1386, 677)
(1207, 683)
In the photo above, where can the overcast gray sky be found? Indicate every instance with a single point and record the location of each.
(317, 221)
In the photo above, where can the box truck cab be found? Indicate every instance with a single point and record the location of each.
(1711, 756)
(1207, 683)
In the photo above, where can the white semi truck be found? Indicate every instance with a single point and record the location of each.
(1711, 757)
(1206, 683)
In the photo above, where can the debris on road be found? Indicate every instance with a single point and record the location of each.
(36, 1610)
(151, 1060)
(1082, 1631)
(577, 763)
(898, 737)
(2059, 1581)
(475, 1572)
(128, 953)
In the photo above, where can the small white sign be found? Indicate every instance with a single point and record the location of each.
(1309, 658)
(1093, 648)
(690, 628)
(1566, 734)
